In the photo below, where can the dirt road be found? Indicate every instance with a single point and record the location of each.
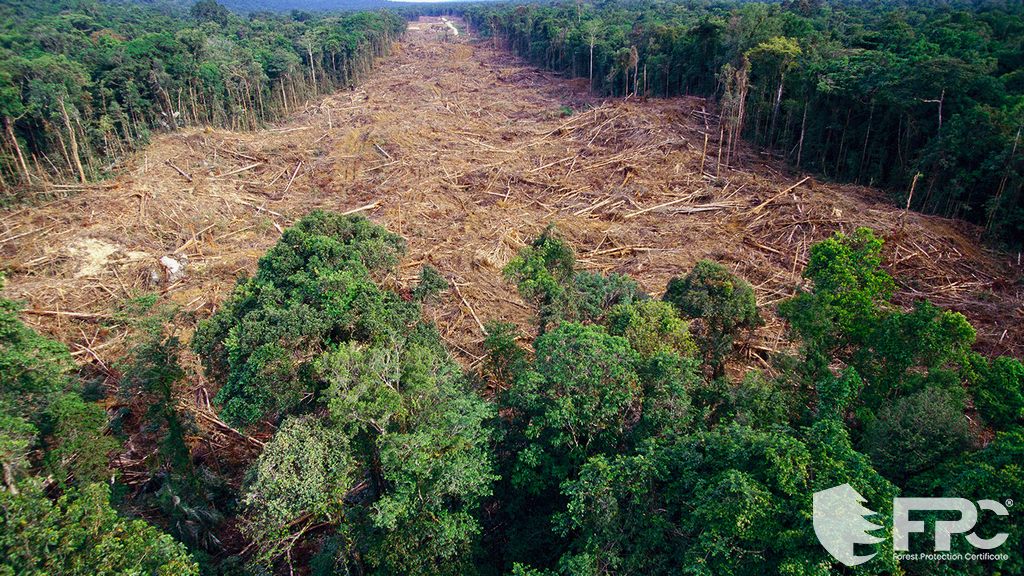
(468, 154)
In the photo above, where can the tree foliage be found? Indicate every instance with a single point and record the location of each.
(55, 511)
(602, 448)
(721, 302)
(916, 432)
(381, 438)
(618, 457)
(81, 534)
(545, 274)
(314, 287)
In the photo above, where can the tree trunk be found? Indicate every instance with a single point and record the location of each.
(1002, 184)
(867, 137)
(312, 67)
(17, 149)
(842, 142)
(9, 484)
(592, 64)
(742, 76)
(803, 130)
(73, 139)
(775, 111)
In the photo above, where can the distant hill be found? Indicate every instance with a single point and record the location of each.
(308, 5)
(251, 6)
(243, 6)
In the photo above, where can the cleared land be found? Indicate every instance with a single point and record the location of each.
(468, 154)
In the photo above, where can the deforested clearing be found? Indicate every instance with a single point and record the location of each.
(467, 154)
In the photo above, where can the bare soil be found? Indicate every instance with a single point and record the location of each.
(469, 154)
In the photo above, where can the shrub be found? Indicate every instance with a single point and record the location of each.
(37, 395)
(591, 296)
(999, 392)
(849, 318)
(154, 370)
(431, 284)
(545, 275)
(723, 303)
(81, 535)
(916, 432)
(837, 393)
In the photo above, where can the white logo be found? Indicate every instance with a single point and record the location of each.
(944, 529)
(839, 523)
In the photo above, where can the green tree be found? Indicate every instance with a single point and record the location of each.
(78, 447)
(916, 432)
(994, 473)
(778, 56)
(721, 303)
(32, 367)
(579, 399)
(313, 287)
(999, 391)
(303, 473)
(728, 501)
(506, 359)
(850, 297)
(393, 449)
(210, 11)
(81, 534)
(546, 276)
(651, 327)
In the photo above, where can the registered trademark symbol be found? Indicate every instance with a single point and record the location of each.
(1009, 502)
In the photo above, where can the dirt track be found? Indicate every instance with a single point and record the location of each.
(468, 155)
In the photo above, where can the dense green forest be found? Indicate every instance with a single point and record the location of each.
(615, 443)
(925, 99)
(84, 83)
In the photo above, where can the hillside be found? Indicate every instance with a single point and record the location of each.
(468, 154)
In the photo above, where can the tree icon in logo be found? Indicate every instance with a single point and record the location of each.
(839, 523)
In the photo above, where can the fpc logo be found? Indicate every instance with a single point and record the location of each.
(840, 523)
